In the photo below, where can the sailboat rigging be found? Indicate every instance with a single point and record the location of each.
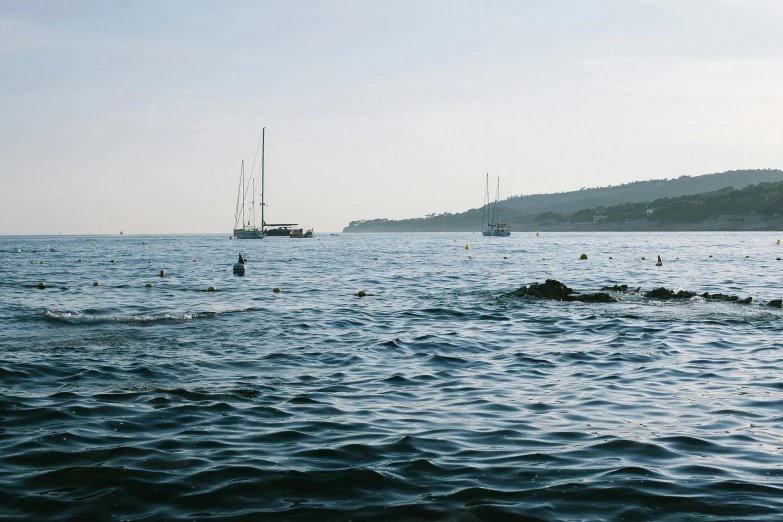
(494, 228)
(248, 228)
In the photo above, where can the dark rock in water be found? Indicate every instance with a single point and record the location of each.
(617, 288)
(664, 293)
(724, 297)
(719, 297)
(777, 303)
(599, 297)
(557, 291)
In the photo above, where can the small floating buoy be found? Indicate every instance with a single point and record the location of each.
(660, 261)
(276, 290)
(747, 257)
(41, 286)
(148, 285)
(710, 256)
(375, 259)
(610, 257)
(112, 260)
(41, 263)
(778, 259)
(778, 241)
(211, 289)
(231, 237)
(644, 259)
(162, 273)
(583, 257)
(455, 240)
(467, 247)
(505, 257)
(94, 243)
(32, 262)
(361, 293)
(148, 262)
(78, 260)
(96, 283)
(537, 235)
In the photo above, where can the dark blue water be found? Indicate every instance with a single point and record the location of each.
(433, 398)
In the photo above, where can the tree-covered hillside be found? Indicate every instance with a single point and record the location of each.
(518, 211)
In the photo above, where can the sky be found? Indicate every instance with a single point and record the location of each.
(136, 115)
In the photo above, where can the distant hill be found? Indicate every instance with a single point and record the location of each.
(756, 207)
(518, 210)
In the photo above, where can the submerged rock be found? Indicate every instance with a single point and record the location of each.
(777, 303)
(557, 291)
(665, 293)
(724, 297)
(616, 288)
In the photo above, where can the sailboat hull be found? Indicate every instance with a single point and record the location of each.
(248, 234)
(498, 233)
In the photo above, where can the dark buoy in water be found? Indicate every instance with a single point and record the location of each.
(41, 286)
(162, 273)
(241, 265)
(276, 290)
(361, 293)
(660, 261)
(583, 257)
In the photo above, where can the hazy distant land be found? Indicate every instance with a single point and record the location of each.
(733, 200)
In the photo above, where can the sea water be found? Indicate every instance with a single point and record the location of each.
(432, 398)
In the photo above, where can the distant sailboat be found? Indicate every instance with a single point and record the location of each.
(246, 227)
(493, 228)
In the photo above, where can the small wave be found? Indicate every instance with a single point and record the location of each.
(79, 318)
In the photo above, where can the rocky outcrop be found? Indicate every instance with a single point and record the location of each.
(665, 293)
(557, 291)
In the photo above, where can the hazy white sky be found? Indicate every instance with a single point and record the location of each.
(135, 115)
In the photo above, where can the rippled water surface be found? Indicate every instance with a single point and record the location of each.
(433, 398)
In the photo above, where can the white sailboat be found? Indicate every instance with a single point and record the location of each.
(493, 227)
(245, 226)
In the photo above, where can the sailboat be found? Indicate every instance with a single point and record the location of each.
(245, 227)
(493, 227)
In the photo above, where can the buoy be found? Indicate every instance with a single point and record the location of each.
(610, 257)
(778, 241)
(710, 256)
(778, 259)
(78, 260)
(41, 285)
(211, 289)
(505, 257)
(32, 262)
(583, 257)
(148, 262)
(644, 259)
(467, 247)
(112, 260)
(148, 285)
(375, 259)
(455, 240)
(162, 273)
(276, 290)
(231, 237)
(41, 263)
(537, 234)
(361, 293)
(94, 243)
(660, 261)
(96, 283)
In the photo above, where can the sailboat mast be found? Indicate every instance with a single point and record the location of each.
(263, 223)
(243, 193)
